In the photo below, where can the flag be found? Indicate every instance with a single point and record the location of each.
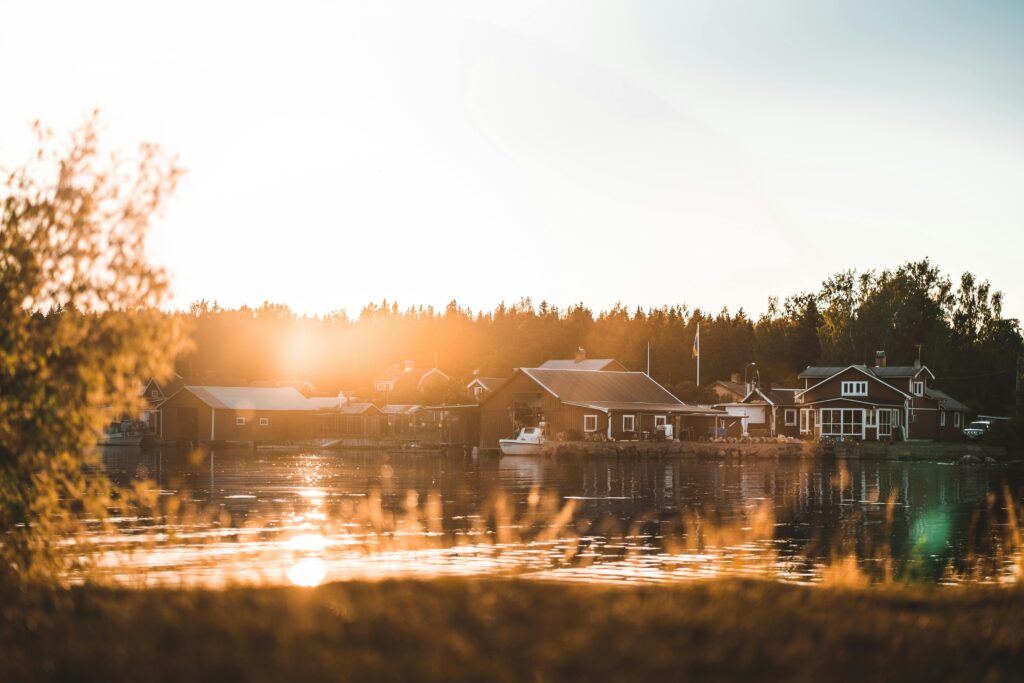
(696, 343)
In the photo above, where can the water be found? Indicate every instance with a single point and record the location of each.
(305, 517)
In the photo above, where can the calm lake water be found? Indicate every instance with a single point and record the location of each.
(306, 517)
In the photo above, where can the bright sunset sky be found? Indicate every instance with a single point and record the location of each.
(708, 152)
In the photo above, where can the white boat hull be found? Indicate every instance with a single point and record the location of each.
(515, 447)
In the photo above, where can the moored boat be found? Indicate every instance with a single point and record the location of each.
(530, 441)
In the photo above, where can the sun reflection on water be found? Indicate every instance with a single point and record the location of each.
(308, 572)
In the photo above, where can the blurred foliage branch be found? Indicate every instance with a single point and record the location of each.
(79, 324)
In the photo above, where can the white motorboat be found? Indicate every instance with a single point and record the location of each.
(529, 442)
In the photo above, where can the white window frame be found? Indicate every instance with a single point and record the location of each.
(632, 423)
(239, 421)
(264, 421)
(870, 419)
(805, 420)
(844, 418)
(942, 418)
(854, 388)
(154, 393)
(957, 420)
(586, 420)
(660, 421)
(789, 417)
(918, 388)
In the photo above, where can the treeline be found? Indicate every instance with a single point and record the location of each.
(914, 311)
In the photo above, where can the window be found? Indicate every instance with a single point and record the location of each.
(629, 423)
(789, 417)
(154, 393)
(590, 423)
(913, 416)
(869, 418)
(956, 419)
(842, 422)
(855, 388)
(239, 421)
(383, 386)
(918, 388)
(942, 418)
(264, 421)
(659, 421)
(895, 417)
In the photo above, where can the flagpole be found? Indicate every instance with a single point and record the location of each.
(698, 353)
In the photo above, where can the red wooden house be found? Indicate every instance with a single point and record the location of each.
(876, 403)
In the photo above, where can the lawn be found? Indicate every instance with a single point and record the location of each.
(513, 630)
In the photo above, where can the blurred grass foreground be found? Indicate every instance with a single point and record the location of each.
(513, 630)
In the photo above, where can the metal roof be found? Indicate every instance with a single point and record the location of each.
(400, 409)
(601, 385)
(357, 409)
(585, 364)
(252, 398)
(946, 402)
(676, 408)
(327, 402)
(824, 372)
(734, 387)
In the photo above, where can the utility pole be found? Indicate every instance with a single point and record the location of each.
(1016, 384)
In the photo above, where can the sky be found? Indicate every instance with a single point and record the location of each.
(711, 153)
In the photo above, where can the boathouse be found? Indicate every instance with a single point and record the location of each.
(236, 414)
(574, 404)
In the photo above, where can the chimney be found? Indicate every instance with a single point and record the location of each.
(581, 354)
(735, 377)
(409, 365)
(880, 359)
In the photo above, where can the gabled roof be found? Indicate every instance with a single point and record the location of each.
(946, 402)
(608, 364)
(168, 387)
(400, 373)
(252, 398)
(886, 372)
(488, 383)
(775, 397)
(866, 371)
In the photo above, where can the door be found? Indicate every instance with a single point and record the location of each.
(884, 423)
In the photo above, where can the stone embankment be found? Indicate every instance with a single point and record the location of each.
(722, 449)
